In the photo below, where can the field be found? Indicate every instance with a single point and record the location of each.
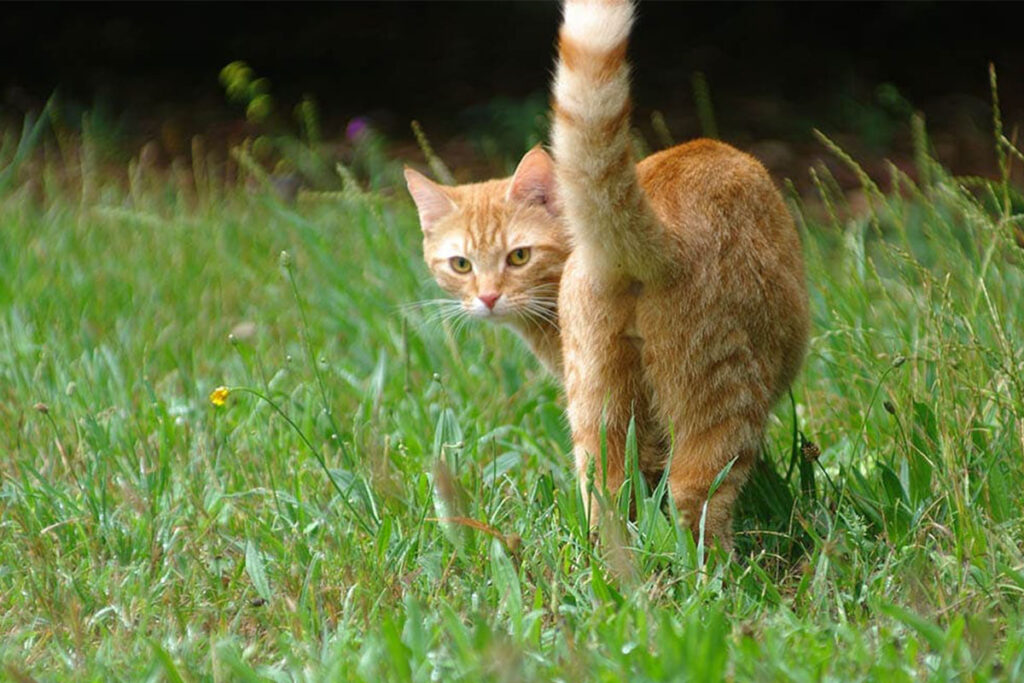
(387, 496)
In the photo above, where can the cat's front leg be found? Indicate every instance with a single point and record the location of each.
(603, 378)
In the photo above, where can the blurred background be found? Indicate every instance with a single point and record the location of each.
(759, 75)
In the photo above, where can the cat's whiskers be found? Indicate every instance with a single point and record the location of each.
(543, 291)
(458, 321)
(525, 316)
(539, 303)
(537, 312)
(424, 303)
(436, 310)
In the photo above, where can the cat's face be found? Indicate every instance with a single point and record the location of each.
(497, 247)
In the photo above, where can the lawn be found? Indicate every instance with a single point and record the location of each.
(384, 496)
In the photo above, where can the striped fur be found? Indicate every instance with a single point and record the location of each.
(483, 223)
(605, 210)
(683, 303)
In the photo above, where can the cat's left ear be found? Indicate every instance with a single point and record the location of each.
(432, 202)
(534, 181)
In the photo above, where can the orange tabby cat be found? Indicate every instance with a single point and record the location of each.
(683, 301)
(499, 247)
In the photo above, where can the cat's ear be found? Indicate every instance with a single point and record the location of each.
(432, 202)
(534, 181)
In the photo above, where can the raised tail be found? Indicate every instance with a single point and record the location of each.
(608, 216)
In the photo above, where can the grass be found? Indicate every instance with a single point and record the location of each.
(387, 498)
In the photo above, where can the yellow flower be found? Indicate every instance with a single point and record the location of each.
(219, 395)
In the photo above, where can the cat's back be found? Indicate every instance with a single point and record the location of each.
(706, 189)
(738, 249)
(696, 161)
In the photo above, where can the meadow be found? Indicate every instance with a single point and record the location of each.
(385, 495)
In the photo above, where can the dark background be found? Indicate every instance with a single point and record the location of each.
(775, 70)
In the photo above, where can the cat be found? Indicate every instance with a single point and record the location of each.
(499, 247)
(681, 300)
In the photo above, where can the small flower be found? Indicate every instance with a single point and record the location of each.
(41, 408)
(219, 396)
(357, 128)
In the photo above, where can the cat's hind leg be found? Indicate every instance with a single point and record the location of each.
(715, 405)
(696, 462)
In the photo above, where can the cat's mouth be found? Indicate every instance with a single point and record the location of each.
(508, 310)
(501, 310)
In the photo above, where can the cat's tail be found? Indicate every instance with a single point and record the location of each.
(608, 216)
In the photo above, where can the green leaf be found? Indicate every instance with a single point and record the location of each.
(31, 130)
(926, 432)
(228, 656)
(719, 478)
(603, 590)
(170, 670)
(506, 581)
(256, 571)
(635, 486)
(447, 435)
(933, 634)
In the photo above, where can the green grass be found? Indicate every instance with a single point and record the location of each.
(145, 533)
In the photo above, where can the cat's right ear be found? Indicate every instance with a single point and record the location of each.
(534, 181)
(432, 202)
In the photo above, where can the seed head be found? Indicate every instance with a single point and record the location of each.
(810, 451)
(513, 542)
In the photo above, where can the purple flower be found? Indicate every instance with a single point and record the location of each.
(357, 128)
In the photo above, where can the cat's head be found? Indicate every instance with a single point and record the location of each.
(498, 247)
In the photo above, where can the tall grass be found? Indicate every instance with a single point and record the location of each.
(146, 533)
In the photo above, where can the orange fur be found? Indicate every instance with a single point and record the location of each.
(484, 223)
(683, 302)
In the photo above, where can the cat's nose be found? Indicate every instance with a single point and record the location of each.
(489, 299)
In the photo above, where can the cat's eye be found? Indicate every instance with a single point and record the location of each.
(460, 264)
(518, 257)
